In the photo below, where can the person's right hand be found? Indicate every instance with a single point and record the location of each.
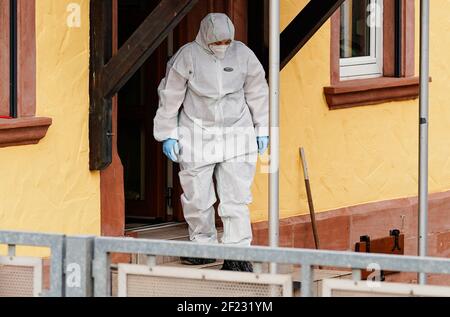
(171, 149)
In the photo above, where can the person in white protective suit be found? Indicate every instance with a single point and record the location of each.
(213, 120)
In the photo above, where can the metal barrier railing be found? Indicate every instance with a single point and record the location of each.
(56, 245)
(81, 266)
(103, 247)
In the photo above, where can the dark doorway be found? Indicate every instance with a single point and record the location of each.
(144, 164)
(258, 30)
(151, 185)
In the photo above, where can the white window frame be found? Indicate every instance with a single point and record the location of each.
(366, 66)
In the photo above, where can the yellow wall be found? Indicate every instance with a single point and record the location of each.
(48, 187)
(357, 155)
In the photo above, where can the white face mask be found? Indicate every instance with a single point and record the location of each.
(219, 50)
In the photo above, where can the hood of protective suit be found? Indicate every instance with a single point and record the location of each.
(215, 27)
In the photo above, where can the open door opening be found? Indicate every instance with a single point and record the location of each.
(151, 185)
(145, 167)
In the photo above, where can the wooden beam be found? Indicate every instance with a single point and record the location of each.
(109, 74)
(100, 114)
(304, 26)
(139, 47)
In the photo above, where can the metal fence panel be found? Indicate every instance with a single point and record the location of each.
(52, 241)
(85, 261)
(306, 258)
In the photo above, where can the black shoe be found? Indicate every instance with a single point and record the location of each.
(197, 261)
(237, 266)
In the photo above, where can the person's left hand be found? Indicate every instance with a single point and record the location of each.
(263, 144)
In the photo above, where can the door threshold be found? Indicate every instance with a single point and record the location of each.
(153, 227)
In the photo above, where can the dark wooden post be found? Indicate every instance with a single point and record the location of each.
(109, 74)
(100, 115)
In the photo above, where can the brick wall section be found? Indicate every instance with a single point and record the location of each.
(340, 229)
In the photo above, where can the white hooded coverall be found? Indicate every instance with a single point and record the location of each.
(215, 108)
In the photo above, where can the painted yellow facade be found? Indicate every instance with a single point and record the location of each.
(357, 155)
(48, 187)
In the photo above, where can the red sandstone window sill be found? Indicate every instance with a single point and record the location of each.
(362, 92)
(23, 131)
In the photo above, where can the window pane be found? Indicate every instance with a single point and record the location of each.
(355, 30)
(4, 58)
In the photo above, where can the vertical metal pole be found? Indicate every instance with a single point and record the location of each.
(11, 250)
(307, 281)
(57, 280)
(78, 259)
(101, 271)
(274, 82)
(423, 130)
(356, 275)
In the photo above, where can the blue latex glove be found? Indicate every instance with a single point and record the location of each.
(171, 149)
(263, 144)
